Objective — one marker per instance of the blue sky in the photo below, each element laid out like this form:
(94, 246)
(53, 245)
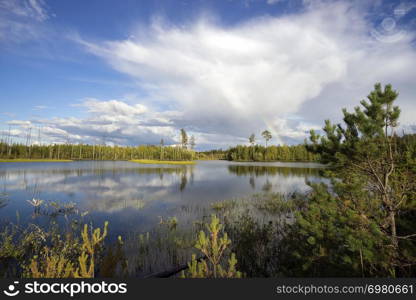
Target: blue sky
(133, 72)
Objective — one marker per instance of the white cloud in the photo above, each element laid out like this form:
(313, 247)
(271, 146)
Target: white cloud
(34, 9)
(271, 2)
(111, 122)
(19, 123)
(20, 20)
(38, 10)
(285, 73)
(40, 107)
(113, 107)
(242, 79)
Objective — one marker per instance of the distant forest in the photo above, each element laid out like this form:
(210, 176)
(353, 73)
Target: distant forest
(94, 152)
(184, 151)
(271, 153)
(104, 152)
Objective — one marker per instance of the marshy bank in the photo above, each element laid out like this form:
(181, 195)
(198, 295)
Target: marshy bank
(69, 245)
(157, 210)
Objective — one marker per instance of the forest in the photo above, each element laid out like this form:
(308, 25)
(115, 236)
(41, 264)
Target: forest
(94, 152)
(270, 153)
(154, 152)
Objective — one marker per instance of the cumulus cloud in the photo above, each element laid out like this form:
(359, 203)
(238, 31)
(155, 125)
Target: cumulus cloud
(222, 83)
(110, 122)
(283, 73)
(113, 107)
(21, 123)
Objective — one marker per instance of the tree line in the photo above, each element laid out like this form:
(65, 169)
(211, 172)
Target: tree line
(185, 151)
(256, 152)
(270, 153)
(93, 152)
(364, 223)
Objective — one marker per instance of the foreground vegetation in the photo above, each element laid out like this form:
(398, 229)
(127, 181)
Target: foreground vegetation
(80, 251)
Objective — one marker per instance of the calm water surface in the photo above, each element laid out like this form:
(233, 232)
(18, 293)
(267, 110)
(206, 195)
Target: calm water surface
(133, 197)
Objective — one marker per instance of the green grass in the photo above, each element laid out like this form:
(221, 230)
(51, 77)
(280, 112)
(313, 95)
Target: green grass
(34, 160)
(167, 162)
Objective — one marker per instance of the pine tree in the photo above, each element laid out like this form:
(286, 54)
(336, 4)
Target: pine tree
(184, 139)
(252, 139)
(370, 182)
(267, 136)
(192, 142)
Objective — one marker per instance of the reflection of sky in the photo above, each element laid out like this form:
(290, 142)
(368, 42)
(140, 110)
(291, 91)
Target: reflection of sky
(130, 195)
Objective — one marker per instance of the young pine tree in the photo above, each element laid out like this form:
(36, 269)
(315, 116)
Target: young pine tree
(214, 248)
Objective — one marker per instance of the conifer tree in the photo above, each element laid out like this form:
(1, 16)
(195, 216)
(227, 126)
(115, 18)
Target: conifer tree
(192, 142)
(252, 139)
(184, 138)
(267, 136)
(371, 185)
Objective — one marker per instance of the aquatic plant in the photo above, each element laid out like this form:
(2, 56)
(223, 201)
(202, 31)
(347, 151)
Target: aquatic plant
(115, 261)
(4, 199)
(35, 202)
(171, 222)
(54, 266)
(69, 258)
(164, 247)
(222, 206)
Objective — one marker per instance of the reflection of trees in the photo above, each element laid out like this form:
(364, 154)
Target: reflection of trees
(243, 170)
(184, 181)
(267, 187)
(45, 174)
(4, 199)
(184, 178)
(105, 189)
(252, 182)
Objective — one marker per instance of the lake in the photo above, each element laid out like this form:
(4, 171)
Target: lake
(135, 197)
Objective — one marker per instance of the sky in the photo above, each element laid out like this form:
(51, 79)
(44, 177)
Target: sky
(135, 72)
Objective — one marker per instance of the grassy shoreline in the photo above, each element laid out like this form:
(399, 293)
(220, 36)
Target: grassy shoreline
(34, 160)
(165, 162)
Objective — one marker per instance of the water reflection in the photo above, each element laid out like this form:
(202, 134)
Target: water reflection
(4, 199)
(256, 170)
(291, 175)
(134, 196)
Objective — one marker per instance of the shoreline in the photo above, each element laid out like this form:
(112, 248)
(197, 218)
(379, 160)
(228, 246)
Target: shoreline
(163, 162)
(34, 160)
